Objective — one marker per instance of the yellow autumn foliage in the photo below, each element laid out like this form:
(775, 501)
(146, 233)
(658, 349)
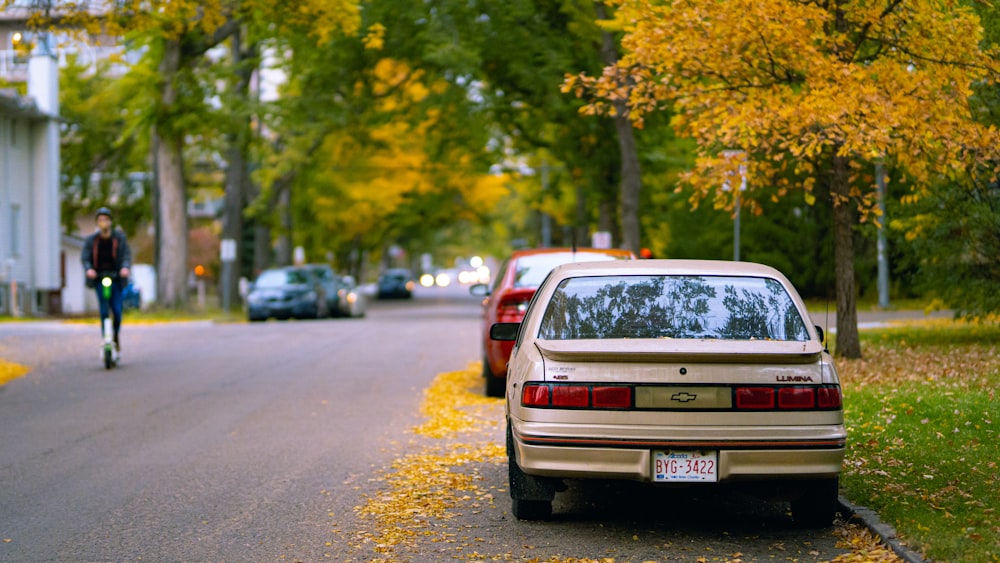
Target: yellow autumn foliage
(9, 371)
(368, 181)
(319, 19)
(778, 78)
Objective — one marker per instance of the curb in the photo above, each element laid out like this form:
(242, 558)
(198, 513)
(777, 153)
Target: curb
(884, 531)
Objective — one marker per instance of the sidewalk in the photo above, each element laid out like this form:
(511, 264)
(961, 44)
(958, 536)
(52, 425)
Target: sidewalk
(876, 319)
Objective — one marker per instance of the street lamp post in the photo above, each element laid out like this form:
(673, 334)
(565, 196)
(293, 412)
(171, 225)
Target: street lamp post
(736, 200)
(883, 260)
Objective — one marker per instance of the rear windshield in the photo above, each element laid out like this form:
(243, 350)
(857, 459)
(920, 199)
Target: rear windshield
(701, 307)
(531, 269)
(278, 278)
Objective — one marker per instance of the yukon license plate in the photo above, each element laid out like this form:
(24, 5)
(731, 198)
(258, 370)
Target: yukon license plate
(685, 466)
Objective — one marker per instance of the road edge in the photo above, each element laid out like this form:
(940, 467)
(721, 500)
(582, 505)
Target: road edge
(875, 525)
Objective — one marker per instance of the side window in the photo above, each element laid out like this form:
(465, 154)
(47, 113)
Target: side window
(500, 275)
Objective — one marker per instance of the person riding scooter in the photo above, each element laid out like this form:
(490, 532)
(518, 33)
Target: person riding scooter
(106, 253)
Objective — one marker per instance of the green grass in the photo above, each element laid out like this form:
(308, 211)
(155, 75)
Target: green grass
(923, 420)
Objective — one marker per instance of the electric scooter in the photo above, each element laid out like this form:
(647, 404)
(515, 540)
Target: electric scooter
(108, 352)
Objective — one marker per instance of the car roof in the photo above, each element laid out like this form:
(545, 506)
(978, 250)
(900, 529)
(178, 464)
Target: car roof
(665, 266)
(531, 251)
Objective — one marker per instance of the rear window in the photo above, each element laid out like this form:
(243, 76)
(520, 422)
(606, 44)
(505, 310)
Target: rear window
(278, 278)
(698, 307)
(531, 269)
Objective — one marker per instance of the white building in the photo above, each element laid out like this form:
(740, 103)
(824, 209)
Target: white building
(31, 272)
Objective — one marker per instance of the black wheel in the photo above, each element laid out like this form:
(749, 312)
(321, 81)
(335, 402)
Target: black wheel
(531, 509)
(816, 507)
(530, 496)
(495, 386)
(108, 359)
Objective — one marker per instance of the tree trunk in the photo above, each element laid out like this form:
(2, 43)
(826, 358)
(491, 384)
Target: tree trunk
(236, 173)
(848, 342)
(284, 245)
(582, 222)
(172, 270)
(631, 185)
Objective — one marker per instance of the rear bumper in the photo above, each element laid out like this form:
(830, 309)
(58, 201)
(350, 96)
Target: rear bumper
(746, 460)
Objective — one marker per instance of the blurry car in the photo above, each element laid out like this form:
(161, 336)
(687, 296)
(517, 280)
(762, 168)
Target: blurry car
(283, 293)
(351, 301)
(513, 287)
(674, 372)
(396, 283)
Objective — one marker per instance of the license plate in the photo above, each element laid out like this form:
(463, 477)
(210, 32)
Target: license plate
(686, 466)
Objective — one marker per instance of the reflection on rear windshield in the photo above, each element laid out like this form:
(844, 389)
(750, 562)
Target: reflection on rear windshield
(718, 307)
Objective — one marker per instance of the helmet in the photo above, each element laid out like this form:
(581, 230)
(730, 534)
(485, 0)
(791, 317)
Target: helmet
(103, 211)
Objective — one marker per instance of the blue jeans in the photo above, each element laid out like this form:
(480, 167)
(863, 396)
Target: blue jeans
(115, 305)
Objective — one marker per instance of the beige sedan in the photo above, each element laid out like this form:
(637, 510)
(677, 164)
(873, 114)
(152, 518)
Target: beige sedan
(675, 372)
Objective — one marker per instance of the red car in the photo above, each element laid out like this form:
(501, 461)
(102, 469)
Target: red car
(513, 287)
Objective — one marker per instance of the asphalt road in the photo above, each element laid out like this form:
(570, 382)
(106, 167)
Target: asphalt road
(255, 442)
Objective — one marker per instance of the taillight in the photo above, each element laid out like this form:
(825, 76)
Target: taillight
(612, 397)
(535, 395)
(829, 398)
(571, 396)
(796, 398)
(576, 396)
(511, 311)
(755, 398)
(788, 398)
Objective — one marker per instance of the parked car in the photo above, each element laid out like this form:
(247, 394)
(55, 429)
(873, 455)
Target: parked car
(513, 287)
(351, 301)
(282, 293)
(695, 373)
(396, 283)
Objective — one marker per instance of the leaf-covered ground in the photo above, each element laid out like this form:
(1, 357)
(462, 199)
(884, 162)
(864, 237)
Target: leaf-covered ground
(923, 449)
(421, 492)
(9, 371)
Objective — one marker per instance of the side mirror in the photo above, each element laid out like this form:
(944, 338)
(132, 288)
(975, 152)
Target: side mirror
(819, 331)
(479, 289)
(504, 331)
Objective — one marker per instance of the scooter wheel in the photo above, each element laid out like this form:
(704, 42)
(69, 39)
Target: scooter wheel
(108, 360)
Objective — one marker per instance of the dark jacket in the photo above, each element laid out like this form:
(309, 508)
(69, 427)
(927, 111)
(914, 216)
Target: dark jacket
(119, 250)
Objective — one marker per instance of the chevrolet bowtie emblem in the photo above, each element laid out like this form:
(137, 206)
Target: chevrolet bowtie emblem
(683, 397)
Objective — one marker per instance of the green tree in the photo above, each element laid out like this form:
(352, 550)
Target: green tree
(101, 159)
(808, 93)
(176, 37)
(369, 149)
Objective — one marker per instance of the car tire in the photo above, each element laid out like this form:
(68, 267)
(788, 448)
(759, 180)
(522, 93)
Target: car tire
(530, 496)
(495, 386)
(816, 506)
(531, 509)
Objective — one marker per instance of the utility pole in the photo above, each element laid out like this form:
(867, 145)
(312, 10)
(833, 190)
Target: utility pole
(883, 260)
(546, 219)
